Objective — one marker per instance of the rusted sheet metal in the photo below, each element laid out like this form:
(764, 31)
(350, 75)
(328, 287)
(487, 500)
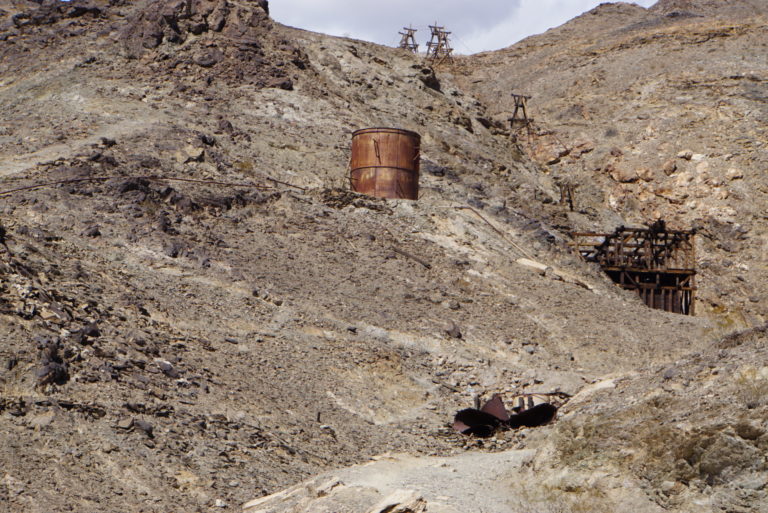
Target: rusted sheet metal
(385, 163)
(494, 415)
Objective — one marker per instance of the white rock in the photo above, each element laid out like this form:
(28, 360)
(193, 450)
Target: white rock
(401, 501)
(684, 179)
(646, 174)
(685, 154)
(532, 264)
(716, 182)
(667, 486)
(734, 174)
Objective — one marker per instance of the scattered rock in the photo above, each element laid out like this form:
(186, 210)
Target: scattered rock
(702, 167)
(685, 155)
(190, 154)
(53, 369)
(168, 369)
(621, 174)
(175, 249)
(669, 167)
(145, 427)
(209, 58)
(754, 482)
(454, 331)
(124, 424)
(684, 178)
(452, 305)
(646, 174)
(285, 84)
(749, 430)
(92, 232)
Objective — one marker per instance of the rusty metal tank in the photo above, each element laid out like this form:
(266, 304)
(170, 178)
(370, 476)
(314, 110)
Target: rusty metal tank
(385, 163)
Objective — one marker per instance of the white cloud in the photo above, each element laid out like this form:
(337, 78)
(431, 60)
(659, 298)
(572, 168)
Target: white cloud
(530, 17)
(476, 26)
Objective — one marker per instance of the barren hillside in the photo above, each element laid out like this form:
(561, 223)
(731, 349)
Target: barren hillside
(195, 312)
(662, 114)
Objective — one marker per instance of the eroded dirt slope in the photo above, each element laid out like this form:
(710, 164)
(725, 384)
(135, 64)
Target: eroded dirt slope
(188, 346)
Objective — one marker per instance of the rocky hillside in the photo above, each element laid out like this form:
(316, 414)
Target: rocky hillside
(657, 113)
(195, 312)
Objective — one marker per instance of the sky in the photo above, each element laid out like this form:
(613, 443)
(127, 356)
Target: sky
(476, 25)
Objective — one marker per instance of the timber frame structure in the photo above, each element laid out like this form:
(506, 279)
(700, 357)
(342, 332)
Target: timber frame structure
(658, 264)
(408, 40)
(439, 46)
(520, 115)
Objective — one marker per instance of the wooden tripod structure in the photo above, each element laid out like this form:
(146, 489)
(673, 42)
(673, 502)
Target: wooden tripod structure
(520, 115)
(439, 46)
(408, 40)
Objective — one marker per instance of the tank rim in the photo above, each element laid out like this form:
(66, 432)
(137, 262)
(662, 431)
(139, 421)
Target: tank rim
(386, 129)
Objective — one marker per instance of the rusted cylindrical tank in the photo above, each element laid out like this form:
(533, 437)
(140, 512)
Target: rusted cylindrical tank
(385, 163)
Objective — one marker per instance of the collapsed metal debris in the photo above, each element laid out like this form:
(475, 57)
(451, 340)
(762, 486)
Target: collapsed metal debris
(531, 410)
(658, 263)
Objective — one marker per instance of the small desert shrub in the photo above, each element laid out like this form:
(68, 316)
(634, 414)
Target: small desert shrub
(752, 386)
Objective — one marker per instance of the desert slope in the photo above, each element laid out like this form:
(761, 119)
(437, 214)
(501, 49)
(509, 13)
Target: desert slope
(663, 112)
(177, 345)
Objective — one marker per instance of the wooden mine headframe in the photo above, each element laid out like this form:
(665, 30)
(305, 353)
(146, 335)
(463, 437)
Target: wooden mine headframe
(408, 40)
(520, 115)
(658, 264)
(439, 47)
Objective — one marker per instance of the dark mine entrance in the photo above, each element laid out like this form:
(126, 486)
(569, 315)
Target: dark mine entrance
(658, 264)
